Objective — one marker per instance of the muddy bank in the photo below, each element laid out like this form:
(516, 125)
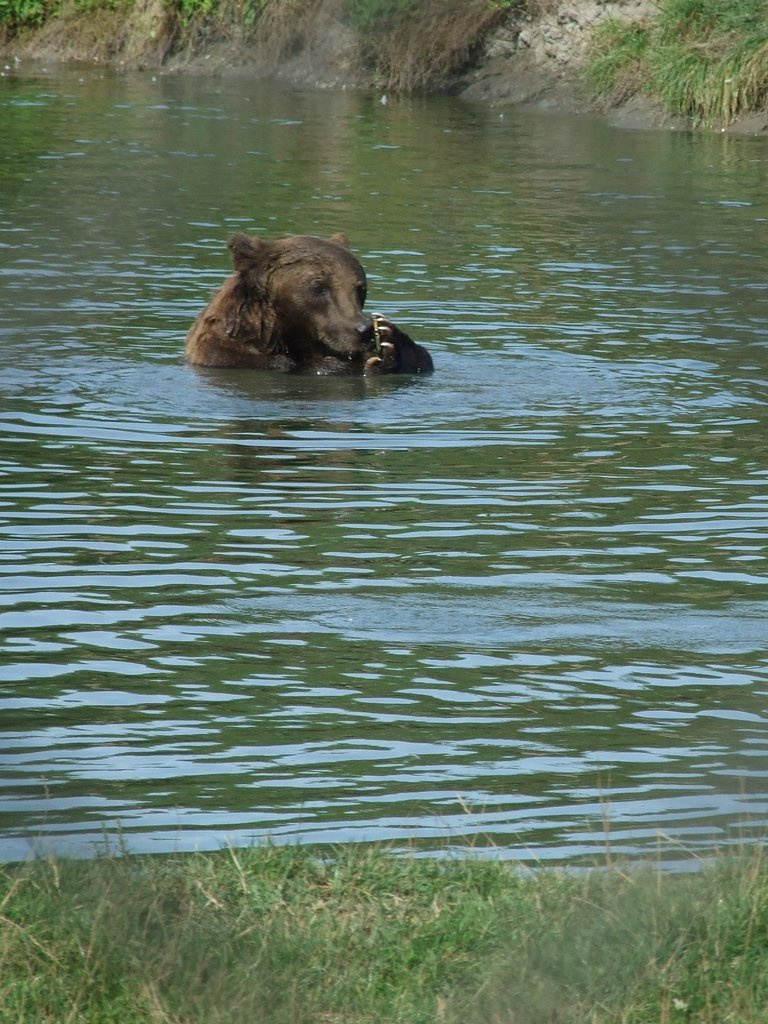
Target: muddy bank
(476, 51)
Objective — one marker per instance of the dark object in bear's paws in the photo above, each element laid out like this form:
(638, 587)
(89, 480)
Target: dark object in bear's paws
(393, 350)
(295, 305)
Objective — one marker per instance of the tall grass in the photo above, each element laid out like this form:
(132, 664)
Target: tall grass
(425, 43)
(359, 936)
(703, 59)
(400, 45)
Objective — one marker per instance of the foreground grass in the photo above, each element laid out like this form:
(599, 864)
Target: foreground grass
(270, 935)
(704, 59)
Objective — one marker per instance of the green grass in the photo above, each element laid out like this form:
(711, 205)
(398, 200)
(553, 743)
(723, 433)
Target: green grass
(278, 935)
(15, 14)
(23, 12)
(615, 70)
(369, 14)
(703, 59)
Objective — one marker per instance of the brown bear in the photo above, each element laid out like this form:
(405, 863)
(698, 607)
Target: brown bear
(295, 304)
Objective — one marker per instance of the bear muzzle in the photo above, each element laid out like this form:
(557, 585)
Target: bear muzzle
(349, 344)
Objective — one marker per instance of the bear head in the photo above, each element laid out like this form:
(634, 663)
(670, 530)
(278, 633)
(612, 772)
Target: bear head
(305, 296)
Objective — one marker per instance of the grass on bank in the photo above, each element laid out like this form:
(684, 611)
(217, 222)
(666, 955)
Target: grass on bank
(357, 936)
(363, 15)
(703, 59)
(397, 45)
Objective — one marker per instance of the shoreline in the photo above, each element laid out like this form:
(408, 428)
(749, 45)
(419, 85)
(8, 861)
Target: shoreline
(531, 61)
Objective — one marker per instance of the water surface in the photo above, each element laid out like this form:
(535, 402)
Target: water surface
(519, 606)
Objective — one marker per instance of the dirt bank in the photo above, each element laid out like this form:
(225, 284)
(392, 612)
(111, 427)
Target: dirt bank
(538, 59)
(465, 47)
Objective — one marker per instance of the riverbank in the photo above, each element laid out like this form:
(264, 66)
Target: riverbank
(533, 54)
(357, 935)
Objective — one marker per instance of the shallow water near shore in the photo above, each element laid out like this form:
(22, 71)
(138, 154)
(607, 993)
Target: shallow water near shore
(518, 606)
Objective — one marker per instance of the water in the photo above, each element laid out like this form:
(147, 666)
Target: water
(519, 606)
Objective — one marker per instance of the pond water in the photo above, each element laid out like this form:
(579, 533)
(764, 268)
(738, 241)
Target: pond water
(518, 606)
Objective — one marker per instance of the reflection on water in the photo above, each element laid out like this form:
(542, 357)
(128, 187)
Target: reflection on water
(519, 605)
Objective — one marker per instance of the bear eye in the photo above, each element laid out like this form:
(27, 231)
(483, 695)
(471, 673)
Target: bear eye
(361, 293)
(321, 287)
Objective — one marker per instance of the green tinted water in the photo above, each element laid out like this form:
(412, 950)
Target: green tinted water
(518, 605)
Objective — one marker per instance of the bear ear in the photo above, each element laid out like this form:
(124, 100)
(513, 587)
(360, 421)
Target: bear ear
(246, 251)
(340, 239)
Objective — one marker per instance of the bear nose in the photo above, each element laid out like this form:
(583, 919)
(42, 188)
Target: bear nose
(365, 333)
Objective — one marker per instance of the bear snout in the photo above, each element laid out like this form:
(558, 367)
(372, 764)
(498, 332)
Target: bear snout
(365, 334)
